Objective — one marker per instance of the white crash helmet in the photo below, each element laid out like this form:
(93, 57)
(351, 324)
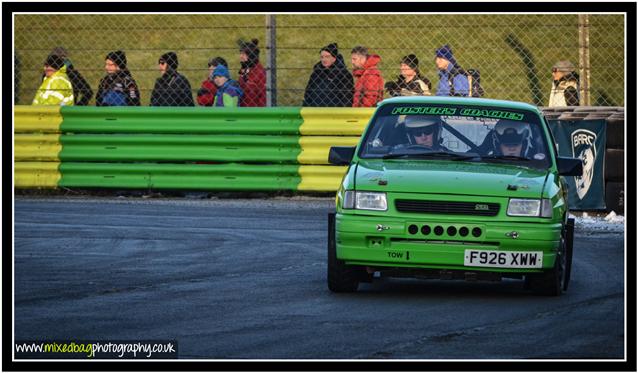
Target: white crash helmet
(509, 132)
(418, 124)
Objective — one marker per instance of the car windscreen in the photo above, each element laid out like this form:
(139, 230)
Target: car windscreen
(463, 133)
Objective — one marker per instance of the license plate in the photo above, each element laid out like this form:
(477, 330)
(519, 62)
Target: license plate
(503, 259)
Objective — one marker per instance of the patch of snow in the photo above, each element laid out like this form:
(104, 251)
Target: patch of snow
(612, 223)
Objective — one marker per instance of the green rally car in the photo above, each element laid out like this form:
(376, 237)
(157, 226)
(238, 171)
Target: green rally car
(453, 188)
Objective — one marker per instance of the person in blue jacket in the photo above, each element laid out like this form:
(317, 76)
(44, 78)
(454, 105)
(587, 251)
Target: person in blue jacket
(452, 78)
(228, 91)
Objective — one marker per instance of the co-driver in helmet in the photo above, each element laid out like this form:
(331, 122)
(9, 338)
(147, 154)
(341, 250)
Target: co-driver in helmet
(510, 138)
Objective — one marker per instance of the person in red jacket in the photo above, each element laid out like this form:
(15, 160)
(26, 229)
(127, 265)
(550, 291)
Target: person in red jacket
(252, 75)
(368, 87)
(206, 94)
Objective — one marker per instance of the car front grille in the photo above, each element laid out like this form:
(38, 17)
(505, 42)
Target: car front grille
(447, 207)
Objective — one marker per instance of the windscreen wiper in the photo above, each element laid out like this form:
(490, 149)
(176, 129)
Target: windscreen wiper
(506, 157)
(433, 154)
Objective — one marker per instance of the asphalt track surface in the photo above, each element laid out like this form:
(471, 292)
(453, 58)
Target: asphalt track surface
(246, 279)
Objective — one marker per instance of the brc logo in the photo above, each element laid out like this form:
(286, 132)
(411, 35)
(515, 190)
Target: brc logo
(583, 147)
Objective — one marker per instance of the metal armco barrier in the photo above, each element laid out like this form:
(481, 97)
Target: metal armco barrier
(182, 148)
(280, 148)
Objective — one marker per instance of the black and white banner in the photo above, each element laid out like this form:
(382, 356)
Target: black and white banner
(584, 139)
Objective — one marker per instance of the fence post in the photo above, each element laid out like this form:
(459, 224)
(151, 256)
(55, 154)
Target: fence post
(271, 44)
(583, 58)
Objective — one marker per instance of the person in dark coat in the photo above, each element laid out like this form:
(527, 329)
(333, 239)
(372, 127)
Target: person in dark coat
(117, 88)
(82, 92)
(330, 83)
(172, 88)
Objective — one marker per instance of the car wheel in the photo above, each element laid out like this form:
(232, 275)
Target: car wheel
(552, 282)
(569, 251)
(342, 278)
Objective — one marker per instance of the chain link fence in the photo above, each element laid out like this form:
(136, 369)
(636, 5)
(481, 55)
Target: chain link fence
(514, 53)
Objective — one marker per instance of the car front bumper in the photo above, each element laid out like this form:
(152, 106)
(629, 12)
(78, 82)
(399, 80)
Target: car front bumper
(391, 242)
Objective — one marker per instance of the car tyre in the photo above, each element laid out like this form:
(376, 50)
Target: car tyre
(569, 251)
(552, 282)
(342, 278)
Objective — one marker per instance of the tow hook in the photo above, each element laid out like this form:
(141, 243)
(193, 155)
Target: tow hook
(512, 234)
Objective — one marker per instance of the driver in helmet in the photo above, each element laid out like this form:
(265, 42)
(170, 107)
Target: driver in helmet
(511, 138)
(424, 130)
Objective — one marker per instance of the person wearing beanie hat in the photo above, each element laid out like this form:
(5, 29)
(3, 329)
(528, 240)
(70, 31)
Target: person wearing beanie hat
(170, 59)
(171, 88)
(221, 71)
(229, 92)
(368, 86)
(82, 92)
(452, 78)
(56, 88)
(117, 88)
(410, 82)
(118, 58)
(54, 62)
(565, 85)
(208, 90)
(330, 83)
(252, 75)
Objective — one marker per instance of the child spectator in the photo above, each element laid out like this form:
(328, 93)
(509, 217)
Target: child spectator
(206, 94)
(228, 91)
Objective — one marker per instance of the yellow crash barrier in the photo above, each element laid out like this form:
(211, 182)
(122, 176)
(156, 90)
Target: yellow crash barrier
(315, 149)
(36, 147)
(334, 121)
(45, 119)
(37, 174)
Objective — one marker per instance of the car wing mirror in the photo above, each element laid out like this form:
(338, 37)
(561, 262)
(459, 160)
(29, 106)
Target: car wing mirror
(568, 166)
(341, 155)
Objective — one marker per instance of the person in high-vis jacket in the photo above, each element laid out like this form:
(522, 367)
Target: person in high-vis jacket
(56, 88)
(564, 86)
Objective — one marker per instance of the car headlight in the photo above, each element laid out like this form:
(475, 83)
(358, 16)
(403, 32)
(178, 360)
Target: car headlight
(371, 201)
(365, 201)
(530, 207)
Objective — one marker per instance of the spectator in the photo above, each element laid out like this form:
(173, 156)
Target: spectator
(228, 91)
(252, 75)
(117, 88)
(172, 88)
(368, 87)
(565, 86)
(330, 83)
(56, 88)
(206, 94)
(452, 78)
(82, 91)
(410, 82)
